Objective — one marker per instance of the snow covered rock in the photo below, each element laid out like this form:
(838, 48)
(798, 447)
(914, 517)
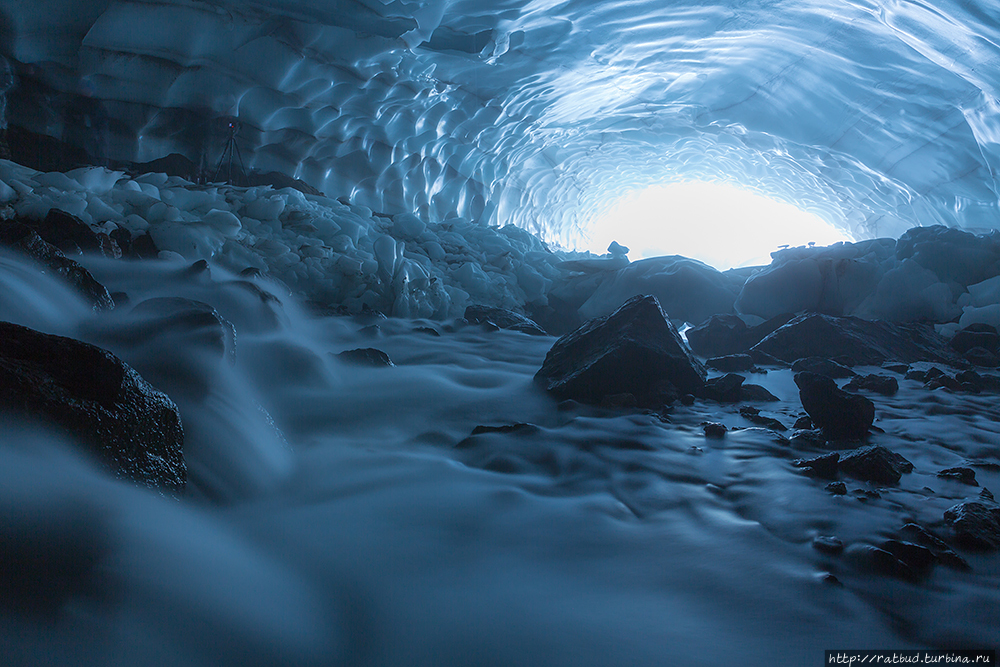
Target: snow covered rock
(120, 418)
(841, 415)
(635, 350)
(865, 342)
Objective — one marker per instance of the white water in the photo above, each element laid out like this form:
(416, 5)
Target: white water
(359, 534)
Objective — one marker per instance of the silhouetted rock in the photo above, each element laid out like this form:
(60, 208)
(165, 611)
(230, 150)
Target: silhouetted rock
(822, 366)
(838, 413)
(503, 319)
(634, 350)
(976, 524)
(731, 363)
(22, 239)
(828, 545)
(960, 474)
(875, 464)
(824, 466)
(869, 559)
(753, 415)
(837, 488)
(944, 554)
(366, 356)
(722, 335)
(71, 234)
(880, 384)
(724, 389)
(967, 339)
(714, 430)
(98, 399)
(866, 342)
(756, 393)
(982, 357)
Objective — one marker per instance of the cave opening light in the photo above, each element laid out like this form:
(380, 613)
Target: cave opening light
(721, 225)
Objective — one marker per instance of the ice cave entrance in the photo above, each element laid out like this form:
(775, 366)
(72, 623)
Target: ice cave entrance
(721, 225)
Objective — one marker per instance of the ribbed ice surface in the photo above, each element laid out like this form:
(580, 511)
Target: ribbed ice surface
(877, 115)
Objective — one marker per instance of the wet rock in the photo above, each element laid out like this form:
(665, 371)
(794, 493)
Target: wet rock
(430, 331)
(24, 240)
(841, 415)
(71, 234)
(837, 488)
(896, 367)
(982, 357)
(872, 560)
(963, 475)
(503, 319)
(714, 430)
(944, 554)
(804, 423)
(967, 339)
(865, 342)
(754, 392)
(520, 427)
(917, 558)
(724, 389)
(828, 545)
(99, 400)
(880, 384)
(722, 335)
(366, 356)
(634, 350)
(143, 247)
(875, 463)
(976, 524)
(824, 466)
(822, 366)
(731, 363)
(753, 415)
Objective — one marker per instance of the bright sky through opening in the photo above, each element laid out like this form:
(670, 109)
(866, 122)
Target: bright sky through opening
(718, 224)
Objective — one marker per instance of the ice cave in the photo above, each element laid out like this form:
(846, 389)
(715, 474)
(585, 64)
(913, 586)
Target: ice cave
(524, 332)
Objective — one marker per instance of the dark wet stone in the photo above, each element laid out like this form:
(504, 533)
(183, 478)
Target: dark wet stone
(724, 389)
(804, 423)
(686, 399)
(715, 430)
(809, 439)
(731, 363)
(966, 340)
(371, 331)
(963, 475)
(976, 525)
(98, 399)
(503, 319)
(865, 342)
(875, 463)
(625, 400)
(430, 331)
(754, 392)
(945, 555)
(982, 357)
(366, 356)
(838, 413)
(828, 545)
(753, 415)
(722, 335)
(837, 488)
(24, 240)
(822, 366)
(945, 381)
(917, 558)
(918, 376)
(880, 384)
(896, 368)
(71, 234)
(824, 466)
(634, 350)
(869, 559)
(143, 247)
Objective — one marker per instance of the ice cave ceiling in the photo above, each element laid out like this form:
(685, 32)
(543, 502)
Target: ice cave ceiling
(877, 114)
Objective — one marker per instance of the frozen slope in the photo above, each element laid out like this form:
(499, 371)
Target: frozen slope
(876, 114)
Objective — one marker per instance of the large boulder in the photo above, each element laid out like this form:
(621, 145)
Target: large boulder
(865, 342)
(722, 335)
(635, 350)
(841, 415)
(98, 399)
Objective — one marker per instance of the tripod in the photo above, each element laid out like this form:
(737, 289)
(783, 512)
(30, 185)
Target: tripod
(229, 149)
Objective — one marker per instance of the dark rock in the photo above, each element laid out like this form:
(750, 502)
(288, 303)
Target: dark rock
(945, 381)
(634, 350)
(880, 384)
(754, 392)
(869, 559)
(722, 335)
(864, 495)
(822, 366)
(824, 466)
(366, 356)
(715, 430)
(731, 363)
(965, 340)
(763, 359)
(981, 382)
(804, 423)
(70, 233)
(875, 464)
(24, 240)
(102, 402)
(976, 525)
(919, 376)
(503, 319)
(896, 368)
(917, 558)
(838, 413)
(980, 356)
(944, 554)
(981, 327)
(828, 545)
(753, 415)
(430, 331)
(143, 247)
(724, 389)
(963, 475)
(837, 488)
(865, 342)
(520, 427)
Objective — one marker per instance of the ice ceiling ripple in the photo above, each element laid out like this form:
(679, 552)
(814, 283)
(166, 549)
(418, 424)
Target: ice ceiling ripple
(876, 114)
